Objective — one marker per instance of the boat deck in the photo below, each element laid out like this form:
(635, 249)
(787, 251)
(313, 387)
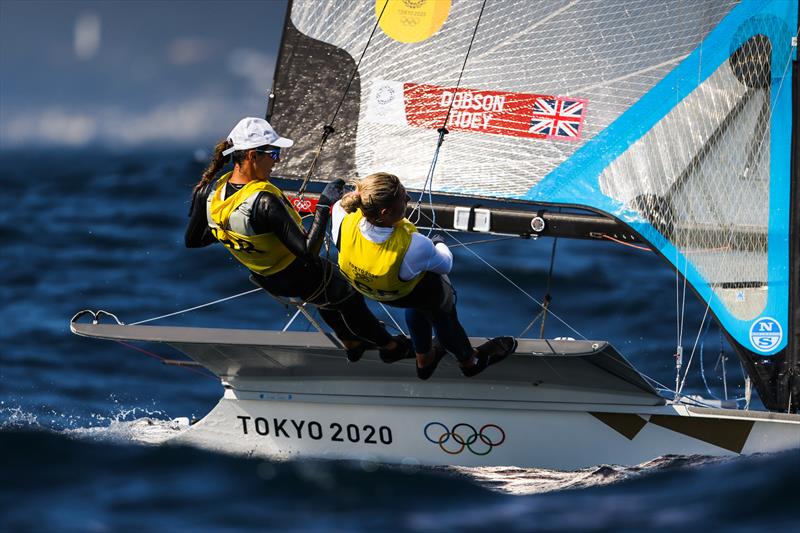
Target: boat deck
(309, 363)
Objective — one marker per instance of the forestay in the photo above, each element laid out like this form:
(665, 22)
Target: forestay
(674, 117)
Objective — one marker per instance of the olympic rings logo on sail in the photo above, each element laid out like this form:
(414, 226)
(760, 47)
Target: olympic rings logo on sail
(465, 436)
(301, 205)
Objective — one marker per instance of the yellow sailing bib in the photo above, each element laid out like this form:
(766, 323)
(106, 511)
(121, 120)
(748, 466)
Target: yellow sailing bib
(229, 220)
(374, 268)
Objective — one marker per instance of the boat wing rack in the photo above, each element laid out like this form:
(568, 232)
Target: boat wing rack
(548, 370)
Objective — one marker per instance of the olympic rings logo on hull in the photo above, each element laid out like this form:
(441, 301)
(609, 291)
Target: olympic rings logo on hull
(465, 436)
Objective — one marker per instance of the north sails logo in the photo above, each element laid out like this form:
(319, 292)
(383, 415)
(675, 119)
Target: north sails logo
(766, 334)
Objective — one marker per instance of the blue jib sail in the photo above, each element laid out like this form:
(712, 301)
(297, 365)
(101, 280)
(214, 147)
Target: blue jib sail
(700, 167)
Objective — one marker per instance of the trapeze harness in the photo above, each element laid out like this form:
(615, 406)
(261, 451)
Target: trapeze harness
(229, 221)
(374, 268)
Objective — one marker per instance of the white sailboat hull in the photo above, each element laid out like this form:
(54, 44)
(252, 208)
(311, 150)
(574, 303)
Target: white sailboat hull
(561, 437)
(553, 404)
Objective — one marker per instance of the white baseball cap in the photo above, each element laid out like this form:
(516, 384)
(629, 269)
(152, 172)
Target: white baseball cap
(252, 132)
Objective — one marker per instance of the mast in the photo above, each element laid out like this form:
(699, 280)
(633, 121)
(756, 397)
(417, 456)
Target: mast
(789, 388)
(281, 48)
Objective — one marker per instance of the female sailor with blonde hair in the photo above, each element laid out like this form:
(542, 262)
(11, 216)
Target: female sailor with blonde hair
(255, 222)
(386, 259)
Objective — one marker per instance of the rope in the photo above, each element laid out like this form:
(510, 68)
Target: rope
(547, 297)
(464, 65)
(428, 185)
(196, 307)
(484, 241)
(396, 325)
(530, 324)
(289, 323)
(328, 128)
(163, 359)
(509, 280)
(694, 347)
(504, 277)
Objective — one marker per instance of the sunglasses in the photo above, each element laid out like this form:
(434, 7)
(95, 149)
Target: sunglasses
(274, 152)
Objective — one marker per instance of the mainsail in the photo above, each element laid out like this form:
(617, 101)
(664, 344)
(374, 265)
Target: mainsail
(673, 117)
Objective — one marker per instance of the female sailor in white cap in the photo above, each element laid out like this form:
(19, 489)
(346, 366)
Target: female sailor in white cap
(256, 223)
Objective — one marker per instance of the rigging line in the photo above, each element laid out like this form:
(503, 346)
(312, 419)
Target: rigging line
(428, 185)
(464, 66)
(509, 280)
(443, 130)
(162, 359)
(677, 301)
(358, 64)
(196, 307)
(392, 318)
(661, 385)
(702, 370)
(683, 297)
(702, 365)
(530, 324)
(328, 129)
(547, 297)
(291, 320)
(696, 340)
(484, 241)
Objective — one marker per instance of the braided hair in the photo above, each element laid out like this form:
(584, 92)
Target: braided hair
(219, 161)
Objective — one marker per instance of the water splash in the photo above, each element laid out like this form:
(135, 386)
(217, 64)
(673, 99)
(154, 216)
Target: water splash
(145, 430)
(522, 481)
(16, 418)
(135, 425)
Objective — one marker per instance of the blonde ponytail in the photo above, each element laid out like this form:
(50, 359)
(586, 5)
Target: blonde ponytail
(373, 193)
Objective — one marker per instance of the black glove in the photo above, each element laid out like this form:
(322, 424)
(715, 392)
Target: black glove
(436, 239)
(332, 193)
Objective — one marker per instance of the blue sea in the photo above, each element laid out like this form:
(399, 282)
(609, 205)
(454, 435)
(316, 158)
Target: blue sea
(83, 422)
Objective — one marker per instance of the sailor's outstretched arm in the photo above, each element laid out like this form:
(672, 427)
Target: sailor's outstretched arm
(271, 214)
(198, 233)
(330, 195)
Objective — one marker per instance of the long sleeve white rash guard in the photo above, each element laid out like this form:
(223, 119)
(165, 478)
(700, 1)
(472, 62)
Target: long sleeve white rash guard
(422, 254)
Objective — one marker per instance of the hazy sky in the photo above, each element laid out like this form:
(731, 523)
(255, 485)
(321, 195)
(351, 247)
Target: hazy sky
(133, 73)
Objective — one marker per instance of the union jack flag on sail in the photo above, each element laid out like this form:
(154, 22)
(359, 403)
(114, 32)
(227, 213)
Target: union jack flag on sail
(558, 118)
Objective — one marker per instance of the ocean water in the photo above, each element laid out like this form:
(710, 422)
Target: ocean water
(83, 423)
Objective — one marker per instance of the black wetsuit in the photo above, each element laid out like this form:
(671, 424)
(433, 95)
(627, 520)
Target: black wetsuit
(308, 277)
